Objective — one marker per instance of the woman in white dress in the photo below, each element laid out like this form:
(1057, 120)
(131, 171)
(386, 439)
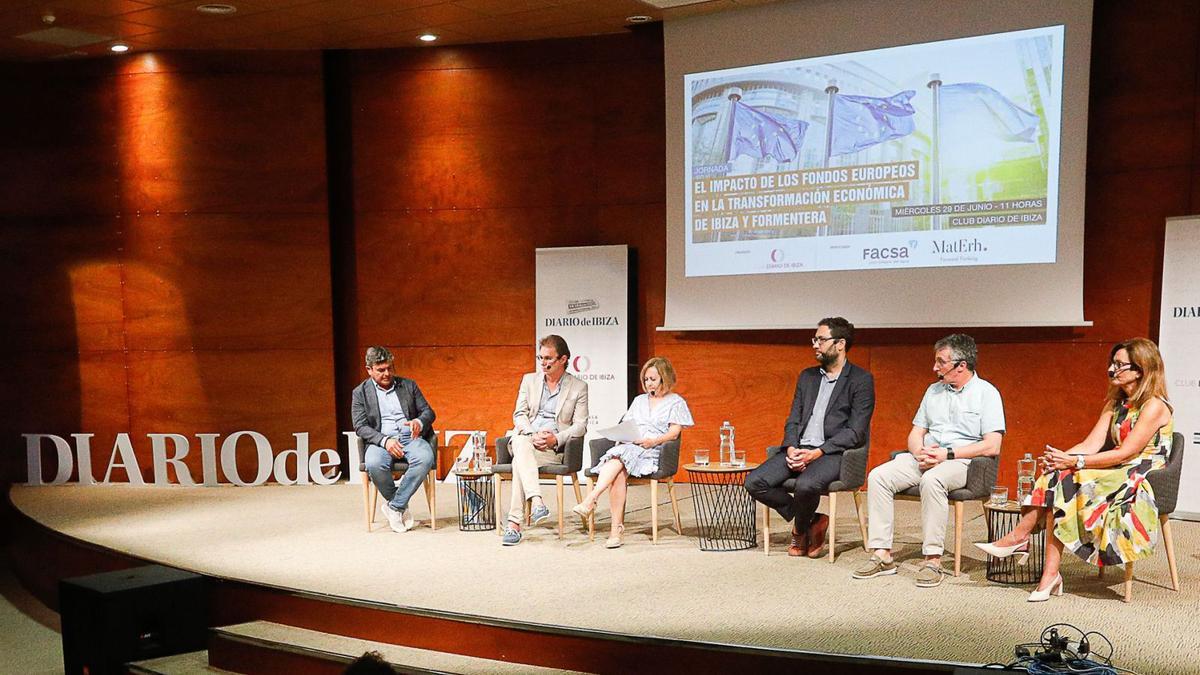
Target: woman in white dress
(660, 415)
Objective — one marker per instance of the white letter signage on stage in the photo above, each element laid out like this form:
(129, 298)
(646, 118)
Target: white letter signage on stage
(583, 295)
(1178, 336)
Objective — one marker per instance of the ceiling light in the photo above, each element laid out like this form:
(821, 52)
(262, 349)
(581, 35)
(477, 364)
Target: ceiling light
(427, 37)
(216, 8)
(639, 18)
(118, 48)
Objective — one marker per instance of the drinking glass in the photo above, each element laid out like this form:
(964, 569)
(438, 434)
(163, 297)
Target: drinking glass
(999, 496)
(737, 457)
(702, 456)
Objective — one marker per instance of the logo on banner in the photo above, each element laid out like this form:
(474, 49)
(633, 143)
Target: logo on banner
(777, 255)
(586, 305)
(582, 364)
(1185, 312)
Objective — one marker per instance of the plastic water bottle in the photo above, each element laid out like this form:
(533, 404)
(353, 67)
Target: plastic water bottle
(726, 443)
(1026, 467)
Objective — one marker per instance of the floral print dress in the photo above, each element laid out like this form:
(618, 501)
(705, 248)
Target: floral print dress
(1108, 516)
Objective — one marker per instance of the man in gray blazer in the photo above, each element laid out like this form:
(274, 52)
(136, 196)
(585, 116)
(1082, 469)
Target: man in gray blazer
(393, 418)
(831, 413)
(552, 408)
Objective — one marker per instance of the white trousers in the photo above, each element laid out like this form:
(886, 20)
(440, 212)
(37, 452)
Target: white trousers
(900, 474)
(525, 462)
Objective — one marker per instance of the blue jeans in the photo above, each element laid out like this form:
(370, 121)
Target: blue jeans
(379, 467)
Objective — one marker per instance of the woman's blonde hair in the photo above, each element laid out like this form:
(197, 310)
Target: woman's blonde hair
(665, 370)
(1145, 358)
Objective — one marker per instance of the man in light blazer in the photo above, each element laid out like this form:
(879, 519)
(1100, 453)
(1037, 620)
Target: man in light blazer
(393, 418)
(552, 408)
(831, 413)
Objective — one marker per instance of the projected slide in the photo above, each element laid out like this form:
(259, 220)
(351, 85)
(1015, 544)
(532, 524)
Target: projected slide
(931, 155)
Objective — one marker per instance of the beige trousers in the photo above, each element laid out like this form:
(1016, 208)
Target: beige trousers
(525, 462)
(900, 474)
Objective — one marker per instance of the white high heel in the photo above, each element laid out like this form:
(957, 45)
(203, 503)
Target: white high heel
(1006, 551)
(1055, 587)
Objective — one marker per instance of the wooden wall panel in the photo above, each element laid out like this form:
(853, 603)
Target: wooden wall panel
(63, 283)
(170, 273)
(227, 281)
(55, 158)
(455, 276)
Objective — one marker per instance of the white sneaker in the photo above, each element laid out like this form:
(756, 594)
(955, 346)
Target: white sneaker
(396, 519)
(406, 517)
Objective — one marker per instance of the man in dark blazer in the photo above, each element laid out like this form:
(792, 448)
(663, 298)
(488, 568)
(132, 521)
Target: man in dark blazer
(831, 413)
(393, 418)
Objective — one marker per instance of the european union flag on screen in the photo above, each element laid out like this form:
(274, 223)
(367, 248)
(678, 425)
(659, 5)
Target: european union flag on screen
(974, 108)
(862, 121)
(763, 134)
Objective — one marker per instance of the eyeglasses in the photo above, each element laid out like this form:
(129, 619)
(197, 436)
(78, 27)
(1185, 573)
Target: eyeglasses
(1116, 367)
(548, 359)
(817, 341)
(942, 363)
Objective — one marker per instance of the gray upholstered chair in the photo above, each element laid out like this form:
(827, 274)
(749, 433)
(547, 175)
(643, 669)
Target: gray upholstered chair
(853, 475)
(668, 466)
(399, 466)
(1165, 483)
(981, 476)
(502, 471)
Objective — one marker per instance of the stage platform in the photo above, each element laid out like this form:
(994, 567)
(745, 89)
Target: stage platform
(309, 545)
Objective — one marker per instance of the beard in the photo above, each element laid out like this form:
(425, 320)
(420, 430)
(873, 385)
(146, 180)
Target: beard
(826, 359)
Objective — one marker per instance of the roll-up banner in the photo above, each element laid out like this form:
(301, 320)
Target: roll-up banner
(583, 295)
(1178, 339)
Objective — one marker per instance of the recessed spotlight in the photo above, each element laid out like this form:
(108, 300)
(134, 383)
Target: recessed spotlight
(427, 37)
(216, 8)
(118, 48)
(639, 18)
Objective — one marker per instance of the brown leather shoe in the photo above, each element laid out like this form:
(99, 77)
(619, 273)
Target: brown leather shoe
(799, 545)
(816, 535)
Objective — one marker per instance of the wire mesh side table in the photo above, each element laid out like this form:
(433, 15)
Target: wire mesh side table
(476, 501)
(726, 513)
(1001, 519)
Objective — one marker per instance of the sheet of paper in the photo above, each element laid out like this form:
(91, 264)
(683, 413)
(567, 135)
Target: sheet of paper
(625, 432)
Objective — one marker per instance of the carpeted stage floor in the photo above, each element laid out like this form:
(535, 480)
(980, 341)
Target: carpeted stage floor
(314, 538)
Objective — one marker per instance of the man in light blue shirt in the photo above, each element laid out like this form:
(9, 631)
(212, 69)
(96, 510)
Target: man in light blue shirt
(960, 417)
(392, 417)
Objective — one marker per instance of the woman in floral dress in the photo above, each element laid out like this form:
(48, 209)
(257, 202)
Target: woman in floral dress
(1094, 496)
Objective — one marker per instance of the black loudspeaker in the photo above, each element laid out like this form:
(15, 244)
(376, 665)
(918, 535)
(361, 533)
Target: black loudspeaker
(113, 618)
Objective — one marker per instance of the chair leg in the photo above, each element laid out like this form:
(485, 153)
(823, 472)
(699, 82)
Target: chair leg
(497, 487)
(674, 505)
(958, 523)
(832, 524)
(766, 529)
(653, 511)
(1170, 546)
(591, 520)
(369, 501)
(862, 516)
(1128, 581)
(431, 497)
(559, 493)
(575, 484)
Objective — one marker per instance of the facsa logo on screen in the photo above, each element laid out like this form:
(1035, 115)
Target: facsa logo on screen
(886, 253)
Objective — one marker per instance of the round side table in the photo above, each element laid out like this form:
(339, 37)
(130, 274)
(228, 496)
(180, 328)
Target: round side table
(725, 512)
(476, 501)
(1001, 519)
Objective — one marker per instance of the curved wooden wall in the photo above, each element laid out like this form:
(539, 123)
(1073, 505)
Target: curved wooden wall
(170, 271)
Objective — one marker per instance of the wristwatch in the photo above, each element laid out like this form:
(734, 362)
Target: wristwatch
(949, 453)
(1079, 461)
